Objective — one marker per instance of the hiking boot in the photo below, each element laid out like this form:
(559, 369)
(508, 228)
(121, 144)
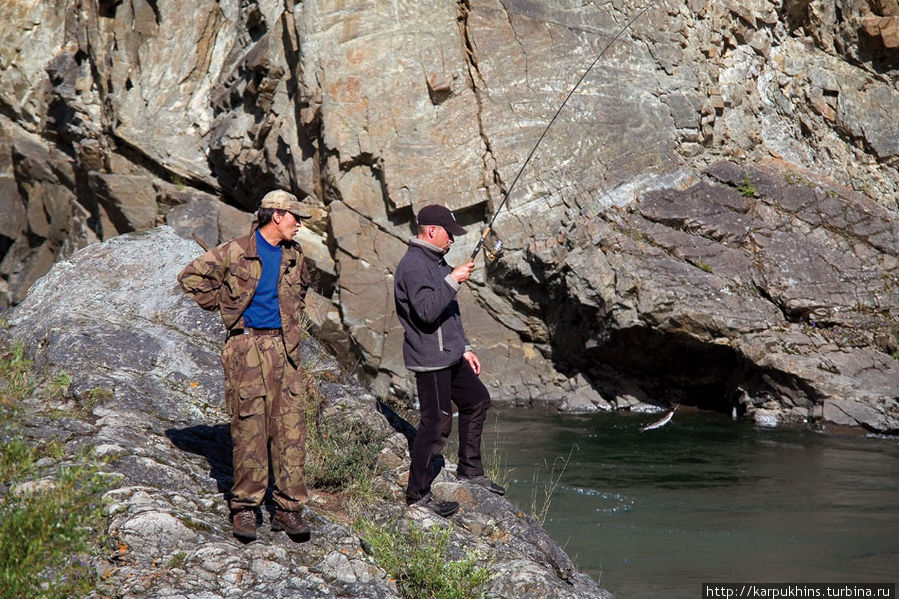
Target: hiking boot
(441, 508)
(483, 481)
(290, 522)
(244, 525)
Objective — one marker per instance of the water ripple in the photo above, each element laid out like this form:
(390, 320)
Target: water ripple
(610, 503)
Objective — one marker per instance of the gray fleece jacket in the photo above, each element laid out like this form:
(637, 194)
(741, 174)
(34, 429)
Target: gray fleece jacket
(425, 296)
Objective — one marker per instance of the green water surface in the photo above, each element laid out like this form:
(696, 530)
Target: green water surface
(704, 499)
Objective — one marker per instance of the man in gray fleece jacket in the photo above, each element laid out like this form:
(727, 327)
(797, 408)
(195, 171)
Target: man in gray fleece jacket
(436, 349)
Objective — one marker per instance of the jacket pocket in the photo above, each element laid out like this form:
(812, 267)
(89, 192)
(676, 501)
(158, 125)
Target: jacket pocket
(240, 281)
(294, 273)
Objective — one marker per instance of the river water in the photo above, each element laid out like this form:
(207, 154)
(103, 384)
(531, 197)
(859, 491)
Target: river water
(703, 499)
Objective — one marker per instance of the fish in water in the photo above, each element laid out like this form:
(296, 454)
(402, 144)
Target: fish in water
(663, 421)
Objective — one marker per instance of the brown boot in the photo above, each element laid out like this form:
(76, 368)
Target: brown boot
(244, 525)
(290, 522)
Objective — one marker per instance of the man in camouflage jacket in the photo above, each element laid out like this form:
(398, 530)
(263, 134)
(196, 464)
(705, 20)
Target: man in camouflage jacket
(258, 285)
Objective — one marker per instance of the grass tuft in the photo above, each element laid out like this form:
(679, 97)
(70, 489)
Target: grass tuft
(746, 188)
(340, 455)
(15, 370)
(540, 507)
(417, 561)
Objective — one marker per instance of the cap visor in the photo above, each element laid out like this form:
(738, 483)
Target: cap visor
(298, 215)
(454, 229)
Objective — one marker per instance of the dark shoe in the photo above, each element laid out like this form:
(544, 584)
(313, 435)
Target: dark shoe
(290, 522)
(483, 481)
(244, 525)
(441, 508)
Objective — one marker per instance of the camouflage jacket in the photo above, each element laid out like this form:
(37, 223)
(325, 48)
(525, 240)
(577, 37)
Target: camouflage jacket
(225, 279)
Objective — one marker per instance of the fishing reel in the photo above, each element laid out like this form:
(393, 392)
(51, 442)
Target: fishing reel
(493, 253)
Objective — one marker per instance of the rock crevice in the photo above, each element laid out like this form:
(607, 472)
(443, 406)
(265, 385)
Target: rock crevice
(123, 116)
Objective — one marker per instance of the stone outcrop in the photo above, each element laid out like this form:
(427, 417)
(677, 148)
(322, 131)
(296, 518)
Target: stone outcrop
(116, 117)
(742, 293)
(146, 395)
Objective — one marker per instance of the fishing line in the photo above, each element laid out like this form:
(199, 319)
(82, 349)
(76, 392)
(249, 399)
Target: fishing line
(550, 124)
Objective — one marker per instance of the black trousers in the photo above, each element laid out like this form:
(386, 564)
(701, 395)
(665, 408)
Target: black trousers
(437, 391)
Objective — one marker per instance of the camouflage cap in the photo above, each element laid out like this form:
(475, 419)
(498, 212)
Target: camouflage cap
(283, 200)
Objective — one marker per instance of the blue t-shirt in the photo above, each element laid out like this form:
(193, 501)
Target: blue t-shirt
(263, 313)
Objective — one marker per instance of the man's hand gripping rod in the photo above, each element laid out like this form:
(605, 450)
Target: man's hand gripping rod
(486, 233)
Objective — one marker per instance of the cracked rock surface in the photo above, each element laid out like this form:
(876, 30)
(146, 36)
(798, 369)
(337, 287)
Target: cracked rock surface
(146, 395)
(747, 292)
(120, 116)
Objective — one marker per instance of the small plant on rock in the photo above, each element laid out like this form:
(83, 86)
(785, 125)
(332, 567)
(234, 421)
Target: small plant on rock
(59, 385)
(703, 265)
(746, 188)
(16, 372)
(95, 397)
(342, 455)
(417, 560)
(177, 560)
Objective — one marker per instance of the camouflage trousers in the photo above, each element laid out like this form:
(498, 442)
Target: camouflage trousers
(266, 397)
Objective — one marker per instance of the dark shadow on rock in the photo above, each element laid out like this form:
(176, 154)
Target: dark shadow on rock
(403, 426)
(301, 538)
(211, 442)
(397, 422)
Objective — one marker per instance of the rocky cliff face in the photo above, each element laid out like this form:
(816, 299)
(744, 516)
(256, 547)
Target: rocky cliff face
(117, 324)
(633, 272)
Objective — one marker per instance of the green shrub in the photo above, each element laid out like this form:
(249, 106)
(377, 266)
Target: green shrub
(341, 454)
(342, 458)
(16, 461)
(44, 533)
(417, 561)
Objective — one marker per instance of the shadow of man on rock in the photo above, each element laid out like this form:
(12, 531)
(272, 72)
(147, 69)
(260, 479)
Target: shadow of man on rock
(214, 444)
(408, 430)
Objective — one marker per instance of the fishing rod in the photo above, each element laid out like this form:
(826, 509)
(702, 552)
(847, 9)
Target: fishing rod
(498, 247)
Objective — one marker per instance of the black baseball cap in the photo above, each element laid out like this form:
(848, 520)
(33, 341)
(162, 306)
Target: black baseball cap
(435, 214)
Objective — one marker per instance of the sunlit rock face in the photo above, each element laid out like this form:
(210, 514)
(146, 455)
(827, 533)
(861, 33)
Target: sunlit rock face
(637, 265)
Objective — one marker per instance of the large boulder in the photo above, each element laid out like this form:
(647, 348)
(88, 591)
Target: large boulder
(145, 394)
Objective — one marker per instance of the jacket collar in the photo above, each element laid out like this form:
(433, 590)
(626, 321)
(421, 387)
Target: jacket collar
(430, 247)
(251, 249)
